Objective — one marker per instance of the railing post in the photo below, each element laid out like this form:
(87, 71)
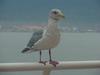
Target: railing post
(46, 71)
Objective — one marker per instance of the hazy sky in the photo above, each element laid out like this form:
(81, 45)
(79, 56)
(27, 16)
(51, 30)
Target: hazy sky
(77, 12)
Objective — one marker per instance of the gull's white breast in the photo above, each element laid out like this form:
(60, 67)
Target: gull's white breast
(50, 38)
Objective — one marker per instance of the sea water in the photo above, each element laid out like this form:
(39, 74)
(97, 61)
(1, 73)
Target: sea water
(72, 47)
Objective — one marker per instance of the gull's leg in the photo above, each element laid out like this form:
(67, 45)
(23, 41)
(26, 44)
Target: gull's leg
(40, 55)
(40, 61)
(54, 63)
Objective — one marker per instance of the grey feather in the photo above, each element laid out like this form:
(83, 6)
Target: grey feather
(37, 35)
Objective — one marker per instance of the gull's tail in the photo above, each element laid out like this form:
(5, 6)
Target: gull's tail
(25, 50)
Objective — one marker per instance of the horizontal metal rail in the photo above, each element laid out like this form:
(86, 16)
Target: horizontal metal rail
(11, 67)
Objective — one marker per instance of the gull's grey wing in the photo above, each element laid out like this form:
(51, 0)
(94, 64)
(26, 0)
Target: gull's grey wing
(37, 35)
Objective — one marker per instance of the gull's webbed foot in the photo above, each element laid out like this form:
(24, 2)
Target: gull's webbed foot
(43, 62)
(54, 63)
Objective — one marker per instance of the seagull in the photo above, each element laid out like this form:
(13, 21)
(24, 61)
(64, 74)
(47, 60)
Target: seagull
(47, 38)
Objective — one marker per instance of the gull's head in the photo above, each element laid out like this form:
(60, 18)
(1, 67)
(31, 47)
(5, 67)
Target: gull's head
(56, 14)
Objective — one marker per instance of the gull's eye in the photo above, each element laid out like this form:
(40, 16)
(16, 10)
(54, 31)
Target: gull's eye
(55, 12)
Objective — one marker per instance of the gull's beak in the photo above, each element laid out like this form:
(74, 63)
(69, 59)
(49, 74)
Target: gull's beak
(62, 15)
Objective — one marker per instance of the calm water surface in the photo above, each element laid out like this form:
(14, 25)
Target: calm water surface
(73, 46)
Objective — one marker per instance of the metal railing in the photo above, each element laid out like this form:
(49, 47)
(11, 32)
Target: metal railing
(11, 67)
